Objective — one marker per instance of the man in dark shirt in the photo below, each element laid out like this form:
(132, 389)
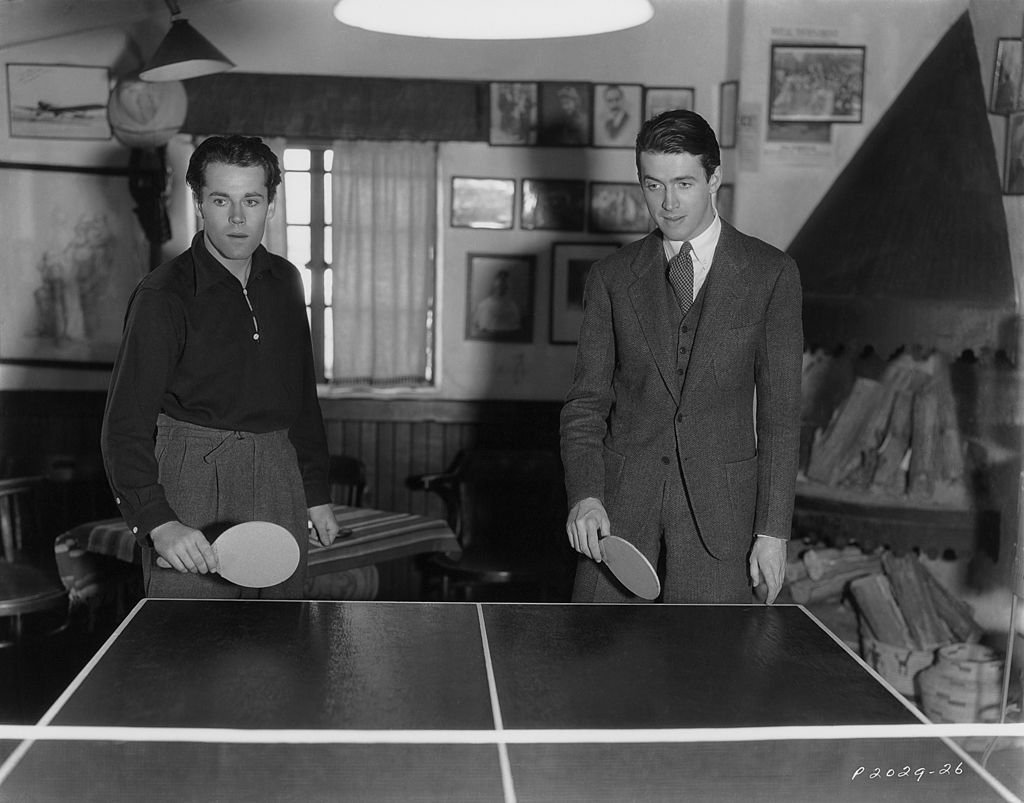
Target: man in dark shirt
(216, 362)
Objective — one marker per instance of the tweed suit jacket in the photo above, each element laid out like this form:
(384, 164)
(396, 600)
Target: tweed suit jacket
(629, 419)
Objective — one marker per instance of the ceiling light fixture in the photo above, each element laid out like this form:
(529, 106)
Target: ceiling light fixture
(501, 19)
(184, 53)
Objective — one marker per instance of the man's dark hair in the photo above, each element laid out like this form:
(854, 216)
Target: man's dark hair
(679, 131)
(233, 150)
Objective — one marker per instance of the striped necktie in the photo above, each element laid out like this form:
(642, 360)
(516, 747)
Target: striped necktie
(680, 276)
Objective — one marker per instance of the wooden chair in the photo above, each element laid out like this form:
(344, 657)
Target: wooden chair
(508, 510)
(19, 517)
(347, 479)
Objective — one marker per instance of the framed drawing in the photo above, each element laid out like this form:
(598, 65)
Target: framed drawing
(618, 207)
(1014, 181)
(513, 118)
(816, 83)
(617, 114)
(58, 101)
(570, 265)
(499, 297)
(658, 99)
(724, 201)
(483, 203)
(1007, 76)
(553, 204)
(728, 95)
(74, 253)
(565, 112)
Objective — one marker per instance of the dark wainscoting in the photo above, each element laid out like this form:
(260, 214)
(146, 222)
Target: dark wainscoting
(56, 434)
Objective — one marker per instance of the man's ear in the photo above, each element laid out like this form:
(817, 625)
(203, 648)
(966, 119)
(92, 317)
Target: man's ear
(716, 180)
(271, 208)
(197, 204)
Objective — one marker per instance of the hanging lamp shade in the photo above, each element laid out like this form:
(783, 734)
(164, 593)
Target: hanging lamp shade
(184, 53)
(509, 19)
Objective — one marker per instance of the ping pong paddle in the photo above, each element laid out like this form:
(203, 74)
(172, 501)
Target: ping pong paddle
(254, 554)
(630, 566)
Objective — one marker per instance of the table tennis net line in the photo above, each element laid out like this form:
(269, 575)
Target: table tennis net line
(506, 768)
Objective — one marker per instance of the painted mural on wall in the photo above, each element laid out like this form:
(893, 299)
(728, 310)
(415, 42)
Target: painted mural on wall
(76, 252)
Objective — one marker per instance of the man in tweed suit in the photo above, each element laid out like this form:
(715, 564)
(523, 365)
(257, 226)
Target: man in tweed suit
(680, 432)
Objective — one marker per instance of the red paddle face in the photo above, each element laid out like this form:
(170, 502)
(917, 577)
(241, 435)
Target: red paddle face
(629, 565)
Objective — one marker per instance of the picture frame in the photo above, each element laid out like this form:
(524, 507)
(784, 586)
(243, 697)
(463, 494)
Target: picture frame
(618, 110)
(1007, 76)
(555, 204)
(816, 83)
(513, 113)
(724, 201)
(482, 203)
(658, 99)
(566, 108)
(570, 265)
(618, 208)
(499, 297)
(1013, 170)
(74, 253)
(58, 101)
(728, 98)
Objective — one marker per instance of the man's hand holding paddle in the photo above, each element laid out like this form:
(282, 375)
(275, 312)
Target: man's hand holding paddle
(184, 548)
(588, 521)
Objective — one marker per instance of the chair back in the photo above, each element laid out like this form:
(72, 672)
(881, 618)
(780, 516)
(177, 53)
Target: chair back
(347, 479)
(19, 517)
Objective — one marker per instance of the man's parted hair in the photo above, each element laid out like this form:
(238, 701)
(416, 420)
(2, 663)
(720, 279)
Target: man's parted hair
(679, 131)
(233, 150)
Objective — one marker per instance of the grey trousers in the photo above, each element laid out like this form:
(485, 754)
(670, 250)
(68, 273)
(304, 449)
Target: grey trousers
(215, 479)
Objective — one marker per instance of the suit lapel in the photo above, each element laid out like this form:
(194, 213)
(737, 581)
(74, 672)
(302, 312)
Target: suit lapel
(650, 303)
(723, 291)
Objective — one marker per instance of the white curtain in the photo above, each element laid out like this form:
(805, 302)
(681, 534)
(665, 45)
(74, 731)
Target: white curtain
(275, 236)
(384, 224)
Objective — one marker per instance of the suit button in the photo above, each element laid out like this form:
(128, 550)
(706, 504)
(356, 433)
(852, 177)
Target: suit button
(682, 349)
(684, 328)
(680, 371)
(665, 460)
(679, 418)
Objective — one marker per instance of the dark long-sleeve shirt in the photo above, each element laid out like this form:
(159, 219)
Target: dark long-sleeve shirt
(192, 348)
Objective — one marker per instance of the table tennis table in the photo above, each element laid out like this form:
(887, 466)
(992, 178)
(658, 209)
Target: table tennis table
(193, 700)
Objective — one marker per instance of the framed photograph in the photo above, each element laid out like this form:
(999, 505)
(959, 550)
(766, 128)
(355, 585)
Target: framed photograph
(483, 203)
(74, 251)
(499, 297)
(618, 110)
(570, 265)
(618, 208)
(728, 96)
(723, 201)
(1014, 182)
(816, 83)
(565, 112)
(55, 101)
(658, 99)
(513, 119)
(553, 204)
(1007, 76)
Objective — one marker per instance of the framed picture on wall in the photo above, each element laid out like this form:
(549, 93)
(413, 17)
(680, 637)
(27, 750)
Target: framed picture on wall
(724, 201)
(499, 297)
(618, 207)
(658, 99)
(618, 109)
(570, 265)
(73, 253)
(816, 83)
(728, 95)
(513, 113)
(565, 112)
(1007, 76)
(483, 203)
(57, 101)
(553, 204)
(1014, 181)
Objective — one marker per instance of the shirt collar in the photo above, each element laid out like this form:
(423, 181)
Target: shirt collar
(703, 245)
(209, 272)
